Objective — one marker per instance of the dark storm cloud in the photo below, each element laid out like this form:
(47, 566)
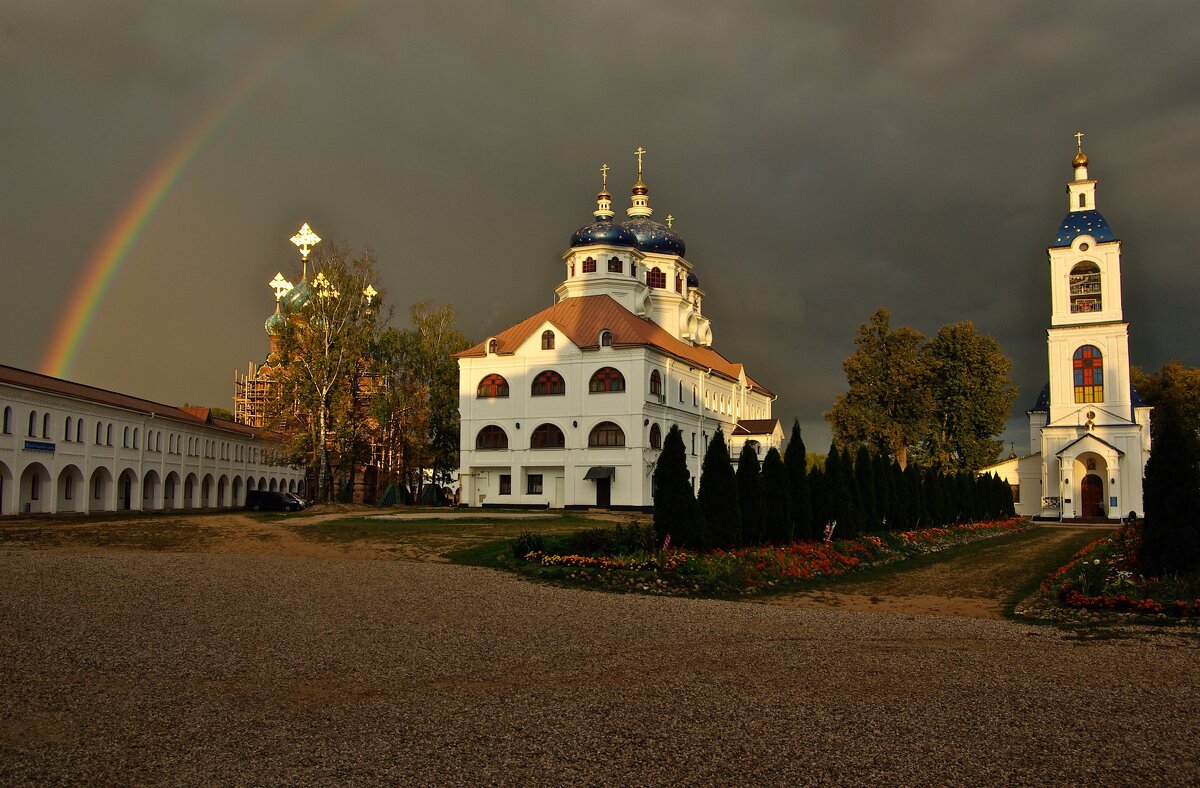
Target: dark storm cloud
(822, 160)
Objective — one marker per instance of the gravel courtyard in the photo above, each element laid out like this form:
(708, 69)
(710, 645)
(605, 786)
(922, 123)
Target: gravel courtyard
(151, 667)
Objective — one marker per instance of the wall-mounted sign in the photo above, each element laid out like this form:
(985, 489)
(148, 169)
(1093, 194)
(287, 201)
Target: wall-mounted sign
(39, 446)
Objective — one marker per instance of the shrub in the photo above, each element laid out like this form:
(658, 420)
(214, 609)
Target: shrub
(528, 543)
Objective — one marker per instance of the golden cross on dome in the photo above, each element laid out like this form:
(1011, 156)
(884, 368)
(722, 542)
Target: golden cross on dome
(279, 285)
(305, 240)
(670, 220)
(603, 176)
(640, 152)
(1079, 140)
(370, 293)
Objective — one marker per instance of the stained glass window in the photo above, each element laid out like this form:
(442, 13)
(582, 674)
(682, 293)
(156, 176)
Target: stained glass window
(1089, 374)
(589, 266)
(547, 384)
(606, 379)
(492, 386)
(656, 278)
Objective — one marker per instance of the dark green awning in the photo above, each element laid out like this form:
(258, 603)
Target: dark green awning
(600, 472)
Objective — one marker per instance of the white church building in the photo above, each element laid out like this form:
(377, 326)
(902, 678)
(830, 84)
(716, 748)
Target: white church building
(569, 407)
(1089, 432)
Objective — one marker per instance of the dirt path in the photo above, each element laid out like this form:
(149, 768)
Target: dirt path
(976, 584)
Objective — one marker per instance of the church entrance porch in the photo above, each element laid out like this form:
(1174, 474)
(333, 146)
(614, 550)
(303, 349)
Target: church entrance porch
(1091, 495)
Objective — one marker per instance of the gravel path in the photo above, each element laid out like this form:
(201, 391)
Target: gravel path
(134, 667)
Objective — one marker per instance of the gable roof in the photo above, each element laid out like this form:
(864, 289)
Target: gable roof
(1091, 436)
(23, 378)
(582, 318)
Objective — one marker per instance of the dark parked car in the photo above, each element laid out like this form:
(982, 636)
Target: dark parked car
(268, 501)
(303, 503)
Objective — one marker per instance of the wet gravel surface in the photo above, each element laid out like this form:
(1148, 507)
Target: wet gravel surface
(187, 669)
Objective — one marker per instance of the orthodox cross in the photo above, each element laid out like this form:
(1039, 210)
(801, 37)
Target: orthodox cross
(279, 285)
(305, 240)
(640, 152)
(603, 176)
(670, 219)
(1079, 140)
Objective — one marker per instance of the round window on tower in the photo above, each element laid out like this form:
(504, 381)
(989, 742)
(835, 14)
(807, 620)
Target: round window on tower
(1083, 247)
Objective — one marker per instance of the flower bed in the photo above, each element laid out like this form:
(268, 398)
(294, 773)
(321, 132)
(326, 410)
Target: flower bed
(754, 569)
(1105, 576)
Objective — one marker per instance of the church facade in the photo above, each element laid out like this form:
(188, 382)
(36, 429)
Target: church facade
(569, 407)
(1089, 431)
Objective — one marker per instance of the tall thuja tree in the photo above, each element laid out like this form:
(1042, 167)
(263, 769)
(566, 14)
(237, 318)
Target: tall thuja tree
(676, 511)
(750, 496)
(885, 492)
(864, 476)
(1171, 490)
(819, 495)
(719, 496)
(326, 350)
(902, 511)
(855, 516)
(838, 494)
(796, 462)
(918, 514)
(777, 500)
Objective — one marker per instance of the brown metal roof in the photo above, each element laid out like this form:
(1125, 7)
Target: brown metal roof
(755, 427)
(38, 382)
(582, 319)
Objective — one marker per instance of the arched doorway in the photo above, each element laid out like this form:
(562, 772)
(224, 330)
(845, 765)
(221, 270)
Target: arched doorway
(1091, 496)
(170, 487)
(237, 499)
(189, 491)
(150, 491)
(125, 488)
(36, 492)
(222, 487)
(71, 490)
(98, 490)
(206, 491)
(7, 502)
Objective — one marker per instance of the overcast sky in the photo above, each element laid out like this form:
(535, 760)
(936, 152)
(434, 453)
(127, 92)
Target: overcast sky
(822, 160)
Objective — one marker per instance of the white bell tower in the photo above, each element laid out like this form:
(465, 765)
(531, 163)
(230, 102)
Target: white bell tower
(1095, 438)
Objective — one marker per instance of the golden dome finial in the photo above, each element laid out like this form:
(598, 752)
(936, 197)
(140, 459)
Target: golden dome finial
(1081, 159)
(604, 181)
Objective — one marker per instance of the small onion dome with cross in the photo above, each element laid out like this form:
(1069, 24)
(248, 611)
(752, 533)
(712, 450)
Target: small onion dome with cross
(603, 230)
(651, 236)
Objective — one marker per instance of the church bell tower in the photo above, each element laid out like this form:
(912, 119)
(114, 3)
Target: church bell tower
(1095, 433)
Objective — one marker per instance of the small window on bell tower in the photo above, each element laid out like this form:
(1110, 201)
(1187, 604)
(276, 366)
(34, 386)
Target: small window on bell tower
(1085, 288)
(1082, 200)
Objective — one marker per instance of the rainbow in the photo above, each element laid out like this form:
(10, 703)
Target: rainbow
(111, 252)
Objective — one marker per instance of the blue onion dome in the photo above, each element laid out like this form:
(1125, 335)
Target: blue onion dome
(275, 323)
(693, 280)
(298, 296)
(655, 237)
(1043, 401)
(603, 232)
(1079, 223)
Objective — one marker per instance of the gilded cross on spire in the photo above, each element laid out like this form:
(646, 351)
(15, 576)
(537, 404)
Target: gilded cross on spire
(670, 220)
(1079, 141)
(305, 240)
(640, 152)
(603, 176)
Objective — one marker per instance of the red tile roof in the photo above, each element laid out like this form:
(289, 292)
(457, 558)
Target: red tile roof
(583, 318)
(32, 380)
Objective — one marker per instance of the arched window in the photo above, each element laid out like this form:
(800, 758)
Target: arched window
(1082, 200)
(492, 345)
(606, 338)
(33, 423)
(170, 444)
(633, 270)
(491, 437)
(678, 283)
(615, 266)
(135, 437)
(606, 379)
(7, 419)
(67, 430)
(46, 425)
(125, 438)
(606, 434)
(1089, 374)
(108, 436)
(79, 431)
(548, 384)
(158, 441)
(655, 383)
(589, 266)
(547, 340)
(655, 437)
(492, 386)
(99, 432)
(656, 278)
(1085, 288)
(547, 436)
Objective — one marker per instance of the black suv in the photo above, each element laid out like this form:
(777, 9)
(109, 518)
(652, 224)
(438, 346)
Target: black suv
(268, 501)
